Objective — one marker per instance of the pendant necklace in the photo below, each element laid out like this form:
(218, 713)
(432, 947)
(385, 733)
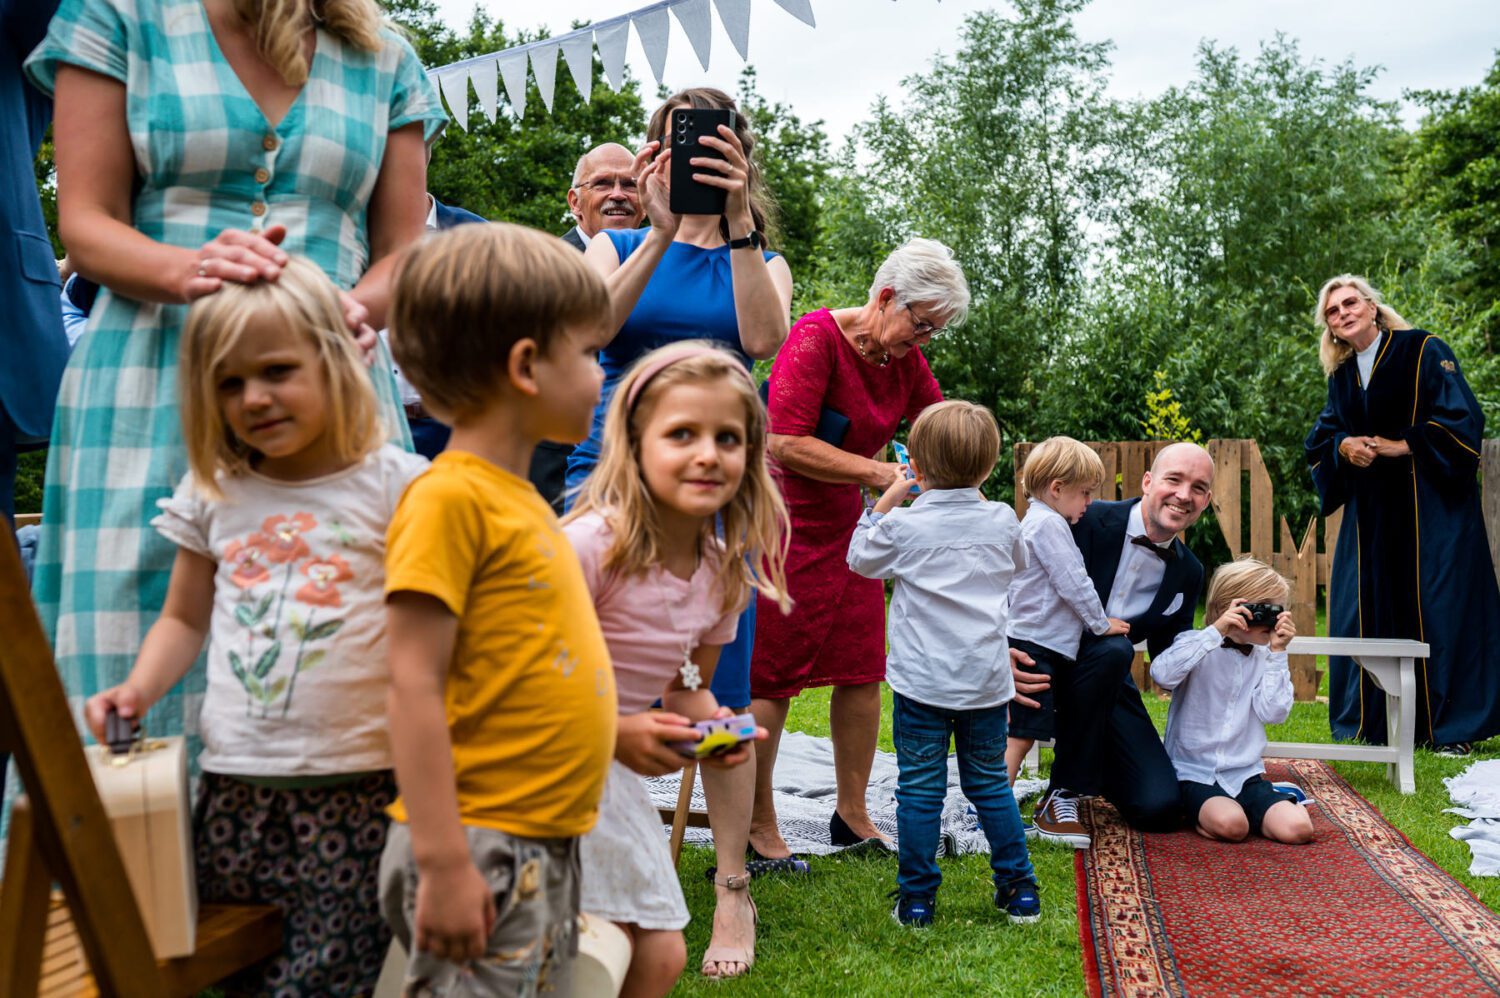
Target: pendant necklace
(692, 679)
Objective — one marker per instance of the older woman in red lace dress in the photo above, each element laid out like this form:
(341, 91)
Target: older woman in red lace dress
(839, 387)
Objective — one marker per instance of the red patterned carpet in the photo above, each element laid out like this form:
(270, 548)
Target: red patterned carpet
(1358, 912)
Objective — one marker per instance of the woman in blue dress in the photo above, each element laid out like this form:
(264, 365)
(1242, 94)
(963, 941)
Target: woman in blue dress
(692, 277)
(1397, 448)
(198, 142)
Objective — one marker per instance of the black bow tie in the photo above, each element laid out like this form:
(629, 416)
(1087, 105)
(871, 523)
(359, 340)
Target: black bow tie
(1168, 553)
(1242, 649)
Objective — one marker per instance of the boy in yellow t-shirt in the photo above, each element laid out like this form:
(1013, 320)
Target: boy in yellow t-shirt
(502, 701)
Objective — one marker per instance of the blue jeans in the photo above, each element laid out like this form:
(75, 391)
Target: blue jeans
(921, 734)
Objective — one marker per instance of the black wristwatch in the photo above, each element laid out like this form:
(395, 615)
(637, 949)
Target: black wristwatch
(753, 239)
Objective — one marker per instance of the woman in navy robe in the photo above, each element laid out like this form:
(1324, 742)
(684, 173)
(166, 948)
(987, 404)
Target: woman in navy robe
(1397, 446)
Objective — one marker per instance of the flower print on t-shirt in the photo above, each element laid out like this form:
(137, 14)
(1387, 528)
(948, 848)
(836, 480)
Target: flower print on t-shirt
(273, 655)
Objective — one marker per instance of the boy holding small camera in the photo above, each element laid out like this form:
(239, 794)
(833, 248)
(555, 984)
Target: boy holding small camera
(1228, 681)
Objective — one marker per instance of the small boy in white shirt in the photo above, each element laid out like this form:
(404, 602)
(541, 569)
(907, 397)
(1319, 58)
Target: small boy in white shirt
(1053, 599)
(1227, 685)
(952, 554)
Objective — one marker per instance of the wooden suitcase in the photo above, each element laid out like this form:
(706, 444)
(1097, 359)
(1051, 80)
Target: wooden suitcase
(145, 795)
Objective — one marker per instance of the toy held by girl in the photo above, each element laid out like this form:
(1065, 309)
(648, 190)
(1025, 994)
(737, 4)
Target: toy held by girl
(1053, 599)
(280, 526)
(952, 552)
(1228, 681)
(684, 451)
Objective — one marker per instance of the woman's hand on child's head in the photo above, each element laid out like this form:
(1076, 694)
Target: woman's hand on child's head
(1117, 626)
(455, 912)
(1234, 618)
(1285, 631)
(124, 699)
(238, 256)
(644, 742)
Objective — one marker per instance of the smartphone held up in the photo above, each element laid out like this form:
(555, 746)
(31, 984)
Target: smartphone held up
(690, 197)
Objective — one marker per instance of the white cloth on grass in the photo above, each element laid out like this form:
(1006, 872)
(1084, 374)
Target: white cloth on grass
(1476, 791)
(806, 792)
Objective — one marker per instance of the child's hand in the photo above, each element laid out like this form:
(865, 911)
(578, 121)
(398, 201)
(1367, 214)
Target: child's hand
(455, 912)
(1286, 630)
(1236, 617)
(643, 742)
(895, 494)
(740, 754)
(125, 699)
(1117, 626)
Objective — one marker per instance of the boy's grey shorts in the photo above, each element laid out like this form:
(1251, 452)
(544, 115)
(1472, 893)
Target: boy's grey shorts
(535, 886)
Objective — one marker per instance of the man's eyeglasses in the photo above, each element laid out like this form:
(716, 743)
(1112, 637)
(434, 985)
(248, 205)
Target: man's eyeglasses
(921, 326)
(606, 185)
(1347, 305)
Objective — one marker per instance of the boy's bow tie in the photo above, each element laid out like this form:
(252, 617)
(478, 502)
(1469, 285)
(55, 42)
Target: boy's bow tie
(1242, 649)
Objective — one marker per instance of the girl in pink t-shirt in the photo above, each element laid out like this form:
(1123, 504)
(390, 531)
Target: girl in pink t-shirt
(683, 462)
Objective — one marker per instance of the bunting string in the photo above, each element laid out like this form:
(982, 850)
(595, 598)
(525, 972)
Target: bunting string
(486, 73)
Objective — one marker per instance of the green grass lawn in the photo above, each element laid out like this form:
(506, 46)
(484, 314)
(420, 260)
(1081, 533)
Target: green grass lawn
(831, 933)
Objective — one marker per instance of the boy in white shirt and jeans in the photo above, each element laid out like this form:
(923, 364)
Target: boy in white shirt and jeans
(1227, 685)
(1052, 600)
(952, 553)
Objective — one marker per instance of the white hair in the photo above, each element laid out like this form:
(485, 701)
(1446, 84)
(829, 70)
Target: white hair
(923, 270)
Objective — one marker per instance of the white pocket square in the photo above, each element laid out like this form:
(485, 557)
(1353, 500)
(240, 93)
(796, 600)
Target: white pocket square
(1173, 606)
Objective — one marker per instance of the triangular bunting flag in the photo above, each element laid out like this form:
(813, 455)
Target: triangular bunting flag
(512, 67)
(735, 16)
(482, 75)
(578, 53)
(694, 17)
(455, 86)
(652, 27)
(800, 9)
(544, 68)
(611, 41)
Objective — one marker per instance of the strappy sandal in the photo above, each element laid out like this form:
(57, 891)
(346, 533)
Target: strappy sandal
(716, 955)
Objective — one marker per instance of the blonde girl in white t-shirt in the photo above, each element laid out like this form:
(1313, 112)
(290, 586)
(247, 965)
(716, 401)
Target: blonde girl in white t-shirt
(684, 452)
(280, 525)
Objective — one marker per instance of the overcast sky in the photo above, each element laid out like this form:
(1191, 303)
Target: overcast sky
(862, 48)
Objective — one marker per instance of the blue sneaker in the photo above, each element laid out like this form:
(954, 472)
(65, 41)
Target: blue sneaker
(914, 913)
(1020, 902)
(1296, 793)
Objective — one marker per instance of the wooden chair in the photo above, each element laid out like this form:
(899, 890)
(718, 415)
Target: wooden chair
(683, 815)
(90, 939)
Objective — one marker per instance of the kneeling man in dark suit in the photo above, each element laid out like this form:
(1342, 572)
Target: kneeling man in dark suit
(1106, 744)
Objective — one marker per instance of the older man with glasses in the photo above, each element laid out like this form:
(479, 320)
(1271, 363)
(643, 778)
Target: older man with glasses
(603, 195)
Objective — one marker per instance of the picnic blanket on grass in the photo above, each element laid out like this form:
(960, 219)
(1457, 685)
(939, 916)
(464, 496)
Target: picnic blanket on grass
(1359, 911)
(805, 793)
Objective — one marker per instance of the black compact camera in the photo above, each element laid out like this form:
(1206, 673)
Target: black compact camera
(1264, 614)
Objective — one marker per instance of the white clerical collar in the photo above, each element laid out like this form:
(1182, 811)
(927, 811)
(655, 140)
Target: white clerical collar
(431, 213)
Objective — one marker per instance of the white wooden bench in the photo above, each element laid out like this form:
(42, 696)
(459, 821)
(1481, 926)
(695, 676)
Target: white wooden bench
(1391, 665)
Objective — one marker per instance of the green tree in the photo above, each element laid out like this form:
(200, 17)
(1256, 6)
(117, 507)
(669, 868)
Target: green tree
(1251, 184)
(794, 160)
(999, 151)
(1455, 177)
(516, 169)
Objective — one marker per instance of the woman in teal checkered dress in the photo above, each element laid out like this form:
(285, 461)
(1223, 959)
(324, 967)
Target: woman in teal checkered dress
(171, 179)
